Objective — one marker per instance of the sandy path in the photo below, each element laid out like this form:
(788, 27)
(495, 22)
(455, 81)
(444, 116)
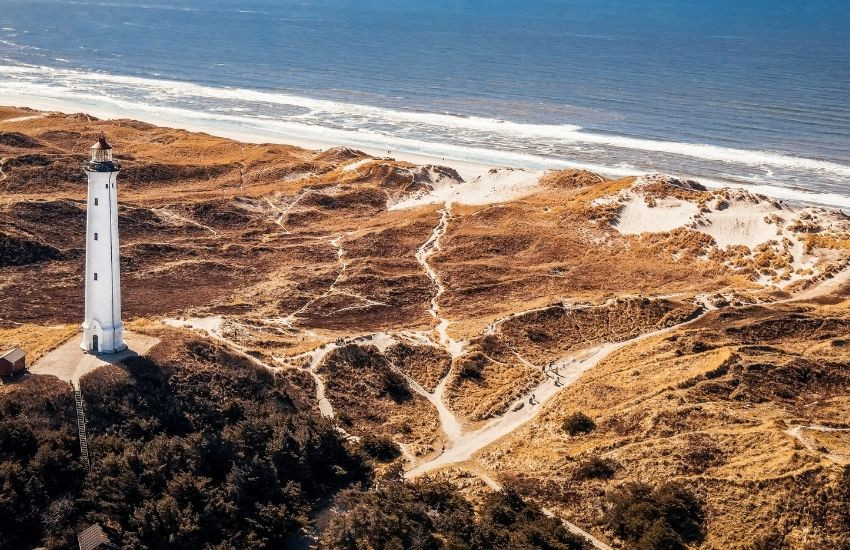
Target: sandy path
(212, 327)
(283, 213)
(798, 433)
(23, 118)
(177, 219)
(279, 218)
(825, 287)
(448, 421)
(488, 479)
(519, 413)
(422, 255)
(316, 356)
(568, 370)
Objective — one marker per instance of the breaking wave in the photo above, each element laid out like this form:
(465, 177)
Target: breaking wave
(259, 115)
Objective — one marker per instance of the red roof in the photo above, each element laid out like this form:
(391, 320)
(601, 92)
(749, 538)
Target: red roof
(101, 142)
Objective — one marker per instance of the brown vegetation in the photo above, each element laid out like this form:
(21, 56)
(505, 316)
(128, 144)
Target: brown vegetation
(285, 250)
(710, 406)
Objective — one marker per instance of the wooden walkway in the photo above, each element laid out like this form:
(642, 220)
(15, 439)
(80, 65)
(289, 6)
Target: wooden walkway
(81, 429)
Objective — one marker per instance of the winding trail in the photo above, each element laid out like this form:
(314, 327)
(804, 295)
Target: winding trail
(520, 411)
(491, 482)
(448, 421)
(278, 220)
(23, 118)
(463, 445)
(212, 326)
(343, 265)
(568, 370)
(423, 254)
(316, 356)
(798, 433)
(175, 217)
(3, 175)
(283, 213)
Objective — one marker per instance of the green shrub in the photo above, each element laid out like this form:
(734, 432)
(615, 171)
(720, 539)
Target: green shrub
(395, 386)
(432, 515)
(578, 423)
(472, 367)
(198, 450)
(668, 516)
(380, 448)
(659, 536)
(596, 468)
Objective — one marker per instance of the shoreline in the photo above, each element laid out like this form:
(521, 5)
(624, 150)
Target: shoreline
(468, 168)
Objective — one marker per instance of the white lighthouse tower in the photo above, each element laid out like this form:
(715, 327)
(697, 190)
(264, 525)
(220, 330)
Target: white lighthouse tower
(103, 331)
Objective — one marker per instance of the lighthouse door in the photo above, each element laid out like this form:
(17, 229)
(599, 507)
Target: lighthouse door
(94, 343)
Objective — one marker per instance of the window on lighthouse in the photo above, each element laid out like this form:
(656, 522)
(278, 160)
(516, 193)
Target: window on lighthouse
(95, 276)
(95, 236)
(95, 201)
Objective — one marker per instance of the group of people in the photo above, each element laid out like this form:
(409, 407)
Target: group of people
(548, 369)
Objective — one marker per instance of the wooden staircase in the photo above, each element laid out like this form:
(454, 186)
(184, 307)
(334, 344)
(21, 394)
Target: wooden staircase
(81, 428)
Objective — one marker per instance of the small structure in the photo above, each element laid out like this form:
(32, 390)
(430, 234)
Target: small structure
(12, 362)
(95, 538)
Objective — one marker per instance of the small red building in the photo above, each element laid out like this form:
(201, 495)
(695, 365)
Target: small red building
(12, 362)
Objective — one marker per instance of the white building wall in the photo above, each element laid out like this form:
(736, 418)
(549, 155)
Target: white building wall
(103, 294)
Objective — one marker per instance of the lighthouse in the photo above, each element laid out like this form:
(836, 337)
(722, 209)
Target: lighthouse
(103, 331)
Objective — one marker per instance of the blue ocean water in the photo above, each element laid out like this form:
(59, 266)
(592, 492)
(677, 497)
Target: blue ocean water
(751, 92)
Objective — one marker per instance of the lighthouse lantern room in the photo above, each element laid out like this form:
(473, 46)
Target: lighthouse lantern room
(103, 331)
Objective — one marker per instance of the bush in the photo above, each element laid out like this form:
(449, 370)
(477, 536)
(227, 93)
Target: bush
(667, 517)
(578, 423)
(382, 449)
(431, 515)
(198, 450)
(659, 536)
(395, 386)
(472, 367)
(17, 440)
(596, 468)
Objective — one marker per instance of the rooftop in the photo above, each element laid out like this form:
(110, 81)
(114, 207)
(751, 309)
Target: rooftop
(93, 538)
(15, 354)
(101, 142)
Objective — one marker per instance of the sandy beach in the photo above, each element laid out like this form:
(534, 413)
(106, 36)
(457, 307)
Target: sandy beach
(468, 170)
(464, 161)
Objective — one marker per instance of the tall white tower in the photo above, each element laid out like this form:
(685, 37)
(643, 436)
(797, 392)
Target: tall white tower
(103, 331)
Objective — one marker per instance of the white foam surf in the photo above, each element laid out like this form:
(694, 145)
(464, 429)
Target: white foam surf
(165, 88)
(239, 113)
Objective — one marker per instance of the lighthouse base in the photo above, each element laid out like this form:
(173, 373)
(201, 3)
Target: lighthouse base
(103, 339)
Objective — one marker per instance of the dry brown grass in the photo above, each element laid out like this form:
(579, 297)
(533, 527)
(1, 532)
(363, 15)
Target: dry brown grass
(709, 406)
(295, 252)
(370, 397)
(36, 340)
(427, 365)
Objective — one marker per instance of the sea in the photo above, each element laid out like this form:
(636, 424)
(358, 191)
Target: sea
(752, 93)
